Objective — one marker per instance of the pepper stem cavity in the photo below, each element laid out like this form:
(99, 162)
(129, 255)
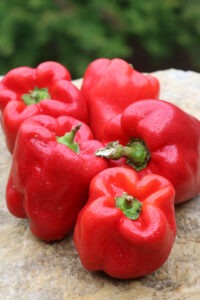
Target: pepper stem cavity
(130, 206)
(136, 153)
(35, 96)
(68, 139)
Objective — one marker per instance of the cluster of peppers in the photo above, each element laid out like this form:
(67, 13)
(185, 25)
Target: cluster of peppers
(108, 161)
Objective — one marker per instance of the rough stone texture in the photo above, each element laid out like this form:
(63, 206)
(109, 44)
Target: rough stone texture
(32, 269)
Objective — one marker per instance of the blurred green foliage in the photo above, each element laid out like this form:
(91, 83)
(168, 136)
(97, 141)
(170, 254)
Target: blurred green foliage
(149, 34)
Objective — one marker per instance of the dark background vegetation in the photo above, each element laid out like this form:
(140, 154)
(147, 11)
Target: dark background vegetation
(151, 35)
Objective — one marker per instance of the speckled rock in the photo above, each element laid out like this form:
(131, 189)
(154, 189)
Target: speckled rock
(32, 269)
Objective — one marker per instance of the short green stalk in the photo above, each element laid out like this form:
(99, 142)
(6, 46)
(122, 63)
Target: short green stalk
(136, 153)
(68, 139)
(35, 96)
(130, 206)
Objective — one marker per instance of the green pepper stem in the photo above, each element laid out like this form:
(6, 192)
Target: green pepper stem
(35, 96)
(68, 139)
(136, 153)
(130, 206)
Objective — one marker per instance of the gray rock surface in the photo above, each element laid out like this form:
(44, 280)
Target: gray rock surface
(32, 269)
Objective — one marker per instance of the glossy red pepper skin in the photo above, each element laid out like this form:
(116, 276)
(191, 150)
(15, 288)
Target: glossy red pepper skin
(48, 182)
(108, 240)
(63, 97)
(109, 86)
(173, 139)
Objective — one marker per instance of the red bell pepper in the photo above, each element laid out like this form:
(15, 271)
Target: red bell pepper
(50, 173)
(47, 89)
(161, 138)
(109, 86)
(127, 228)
